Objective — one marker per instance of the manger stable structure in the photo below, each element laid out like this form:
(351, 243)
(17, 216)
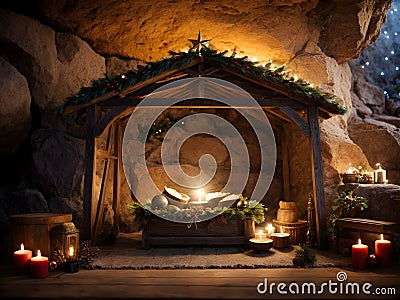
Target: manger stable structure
(110, 101)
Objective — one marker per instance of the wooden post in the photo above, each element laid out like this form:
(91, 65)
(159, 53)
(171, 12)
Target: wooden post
(285, 162)
(249, 231)
(90, 173)
(98, 221)
(117, 176)
(317, 173)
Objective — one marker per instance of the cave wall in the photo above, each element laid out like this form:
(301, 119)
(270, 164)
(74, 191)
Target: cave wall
(79, 41)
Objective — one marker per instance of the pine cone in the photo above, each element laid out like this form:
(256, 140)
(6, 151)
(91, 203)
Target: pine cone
(58, 257)
(88, 252)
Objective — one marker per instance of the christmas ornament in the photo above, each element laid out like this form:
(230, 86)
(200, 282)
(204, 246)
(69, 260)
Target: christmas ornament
(197, 44)
(53, 265)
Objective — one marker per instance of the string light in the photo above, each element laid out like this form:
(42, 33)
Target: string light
(384, 76)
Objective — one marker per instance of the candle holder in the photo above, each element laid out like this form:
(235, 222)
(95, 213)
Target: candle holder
(261, 245)
(281, 239)
(71, 266)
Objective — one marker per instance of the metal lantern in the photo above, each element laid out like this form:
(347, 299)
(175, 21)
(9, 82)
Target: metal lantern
(65, 237)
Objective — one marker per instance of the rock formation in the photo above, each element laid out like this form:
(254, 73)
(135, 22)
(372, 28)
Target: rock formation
(83, 40)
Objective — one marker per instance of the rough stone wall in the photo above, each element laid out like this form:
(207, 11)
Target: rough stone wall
(314, 38)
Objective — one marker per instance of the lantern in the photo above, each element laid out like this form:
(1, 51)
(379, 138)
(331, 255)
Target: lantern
(65, 237)
(379, 174)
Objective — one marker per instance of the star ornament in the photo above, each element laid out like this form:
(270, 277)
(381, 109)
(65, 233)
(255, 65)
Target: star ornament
(197, 44)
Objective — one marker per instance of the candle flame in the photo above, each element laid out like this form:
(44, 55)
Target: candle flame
(381, 237)
(200, 193)
(39, 254)
(260, 233)
(359, 241)
(71, 251)
(22, 247)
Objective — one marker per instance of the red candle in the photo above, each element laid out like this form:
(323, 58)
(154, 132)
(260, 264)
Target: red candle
(39, 266)
(383, 252)
(22, 260)
(359, 255)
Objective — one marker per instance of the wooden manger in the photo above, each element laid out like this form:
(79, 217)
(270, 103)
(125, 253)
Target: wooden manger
(211, 232)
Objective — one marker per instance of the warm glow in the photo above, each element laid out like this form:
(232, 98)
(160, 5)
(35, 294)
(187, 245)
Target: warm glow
(200, 193)
(281, 229)
(22, 247)
(39, 254)
(270, 229)
(71, 251)
(359, 241)
(381, 237)
(260, 234)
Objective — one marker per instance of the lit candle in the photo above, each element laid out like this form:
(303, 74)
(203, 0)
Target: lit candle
(380, 174)
(21, 260)
(39, 266)
(281, 230)
(383, 252)
(359, 255)
(350, 169)
(270, 229)
(200, 193)
(71, 251)
(260, 235)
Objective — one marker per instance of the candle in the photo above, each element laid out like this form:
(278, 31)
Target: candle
(22, 260)
(359, 255)
(71, 265)
(39, 266)
(260, 235)
(200, 193)
(350, 169)
(270, 229)
(380, 174)
(383, 252)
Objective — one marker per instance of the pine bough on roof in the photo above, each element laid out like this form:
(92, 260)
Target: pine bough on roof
(277, 75)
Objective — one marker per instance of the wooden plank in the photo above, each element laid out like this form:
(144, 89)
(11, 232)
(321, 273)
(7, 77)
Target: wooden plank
(158, 77)
(98, 221)
(117, 176)
(40, 218)
(90, 173)
(69, 109)
(103, 154)
(213, 228)
(197, 240)
(317, 173)
(296, 118)
(285, 162)
(109, 118)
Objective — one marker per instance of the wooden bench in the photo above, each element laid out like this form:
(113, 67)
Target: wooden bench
(352, 229)
(34, 230)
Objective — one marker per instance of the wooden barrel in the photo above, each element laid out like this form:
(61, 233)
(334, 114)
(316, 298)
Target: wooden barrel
(287, 212)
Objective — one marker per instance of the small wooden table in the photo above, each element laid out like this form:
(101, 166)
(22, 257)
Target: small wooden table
(34, 230)
(352, 229)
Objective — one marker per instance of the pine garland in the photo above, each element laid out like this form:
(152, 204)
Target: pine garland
(277, 75)
(247, 210)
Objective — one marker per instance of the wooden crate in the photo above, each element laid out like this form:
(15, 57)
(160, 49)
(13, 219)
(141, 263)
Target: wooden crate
(352, 229)
(212, 232)
(34, 230)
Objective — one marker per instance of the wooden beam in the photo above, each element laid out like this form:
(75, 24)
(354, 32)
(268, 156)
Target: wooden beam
(69, 109)
(278, 114)
(285, 162)
(317, 173)
(103, 154)
(158, 77)
(110, 117)
(117, 177)
(295, 117)
(98, 221)
(90, 173)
